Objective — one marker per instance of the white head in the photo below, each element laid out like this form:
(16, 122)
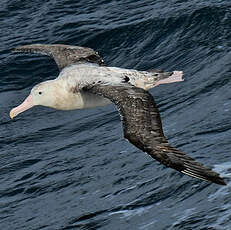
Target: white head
(46, 94)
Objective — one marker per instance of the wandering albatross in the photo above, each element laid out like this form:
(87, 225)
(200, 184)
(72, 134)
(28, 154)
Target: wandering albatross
(85, 82)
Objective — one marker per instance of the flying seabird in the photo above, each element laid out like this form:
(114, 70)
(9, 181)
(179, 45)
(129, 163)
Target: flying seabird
(85, 82)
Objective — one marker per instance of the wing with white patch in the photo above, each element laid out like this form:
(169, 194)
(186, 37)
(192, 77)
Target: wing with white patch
(64, 55)
(142, 127)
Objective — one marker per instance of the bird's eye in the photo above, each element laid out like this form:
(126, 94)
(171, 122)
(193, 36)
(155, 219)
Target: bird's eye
(40, 92)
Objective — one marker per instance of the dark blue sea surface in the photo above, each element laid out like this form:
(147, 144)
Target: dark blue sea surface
(64, 170)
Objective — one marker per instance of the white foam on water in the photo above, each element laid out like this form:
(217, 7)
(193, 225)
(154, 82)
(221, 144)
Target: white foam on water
(131, 213)
(224, 217)
(148, 225)
(185, 214)
(222, 169)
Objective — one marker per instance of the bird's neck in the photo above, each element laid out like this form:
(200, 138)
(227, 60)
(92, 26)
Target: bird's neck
(65, 97)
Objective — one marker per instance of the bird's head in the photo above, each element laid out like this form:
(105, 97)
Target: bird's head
(44, 94)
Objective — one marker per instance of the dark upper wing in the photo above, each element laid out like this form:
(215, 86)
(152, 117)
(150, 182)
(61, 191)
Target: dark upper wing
(64, 55)
(142, 127)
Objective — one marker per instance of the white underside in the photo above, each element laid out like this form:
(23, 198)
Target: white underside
(91, 100)
(81, 100)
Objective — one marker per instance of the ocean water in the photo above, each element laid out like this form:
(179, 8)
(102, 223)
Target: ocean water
(73, 170)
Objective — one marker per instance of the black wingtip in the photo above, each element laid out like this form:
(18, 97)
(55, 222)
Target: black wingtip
(25, 48)
(187, 165)
(204, 174)
(15, 50)
(215, 179)
(20, 49)
(219, 181)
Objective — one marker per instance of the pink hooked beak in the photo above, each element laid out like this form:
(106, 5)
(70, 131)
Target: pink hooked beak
(27, 104)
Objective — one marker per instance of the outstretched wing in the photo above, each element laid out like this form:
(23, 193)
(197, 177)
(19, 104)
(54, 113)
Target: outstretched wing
(142, 127)
(64, 55)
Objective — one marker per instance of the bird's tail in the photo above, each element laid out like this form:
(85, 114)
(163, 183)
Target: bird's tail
(152, 78)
